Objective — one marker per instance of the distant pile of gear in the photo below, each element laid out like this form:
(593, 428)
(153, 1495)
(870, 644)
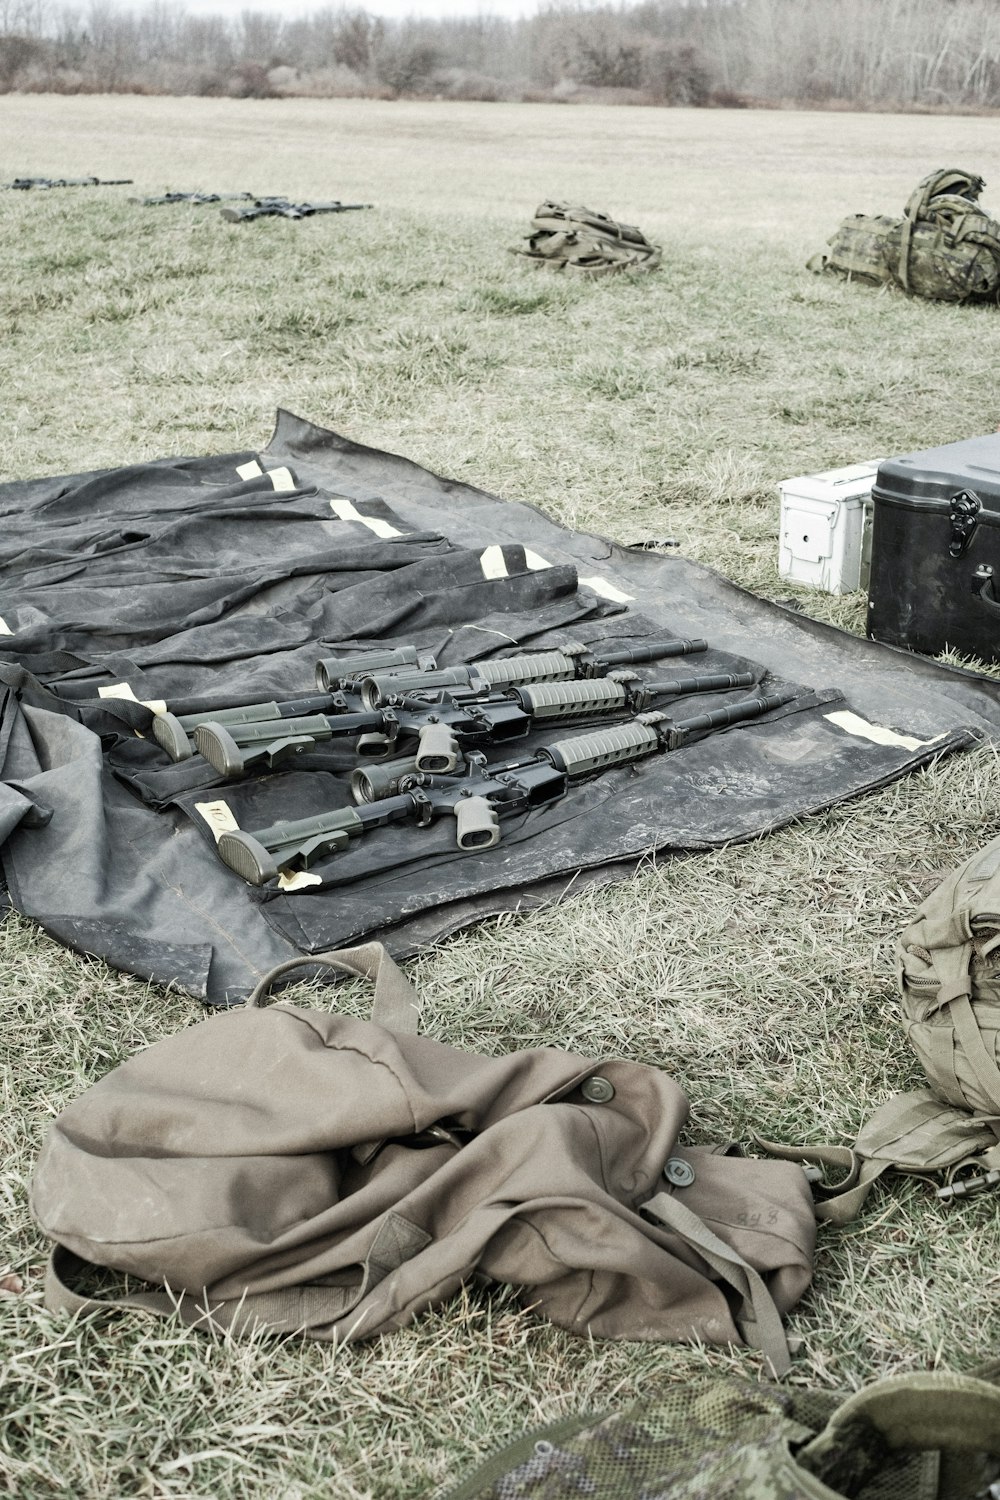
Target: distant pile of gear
(567, 237)
(945, 247)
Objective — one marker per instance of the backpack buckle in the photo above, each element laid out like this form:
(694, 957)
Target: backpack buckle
(966, 1187)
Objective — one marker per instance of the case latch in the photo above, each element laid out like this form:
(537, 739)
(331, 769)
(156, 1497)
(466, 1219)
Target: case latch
(963, 514)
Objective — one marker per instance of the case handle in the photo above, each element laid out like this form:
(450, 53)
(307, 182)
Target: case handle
(984, 589)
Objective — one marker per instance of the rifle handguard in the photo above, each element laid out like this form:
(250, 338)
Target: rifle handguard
(437, 750)
(477, 824)
(537, 666)
(605, 747)
(562, 700)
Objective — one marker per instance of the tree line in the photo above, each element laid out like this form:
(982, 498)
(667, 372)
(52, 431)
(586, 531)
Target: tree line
(862, 54)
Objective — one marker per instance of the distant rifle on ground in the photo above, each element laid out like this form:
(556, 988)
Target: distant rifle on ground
(195, 198)
(435, 728)
(377, 679)
(283, 208)
(24, 184)
(480, 796)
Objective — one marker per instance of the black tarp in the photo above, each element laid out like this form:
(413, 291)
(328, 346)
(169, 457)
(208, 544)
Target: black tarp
(194, 576)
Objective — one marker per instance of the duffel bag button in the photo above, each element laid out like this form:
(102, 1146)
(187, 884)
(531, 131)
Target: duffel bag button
(680, 1173)
(597, 1090)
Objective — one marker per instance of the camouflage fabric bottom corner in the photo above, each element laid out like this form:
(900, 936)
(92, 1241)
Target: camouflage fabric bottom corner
(925, 1436)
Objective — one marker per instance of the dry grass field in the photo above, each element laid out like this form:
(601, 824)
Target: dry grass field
(670, 405)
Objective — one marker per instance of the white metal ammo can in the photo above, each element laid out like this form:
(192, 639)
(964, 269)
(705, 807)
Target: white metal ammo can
(825, 528)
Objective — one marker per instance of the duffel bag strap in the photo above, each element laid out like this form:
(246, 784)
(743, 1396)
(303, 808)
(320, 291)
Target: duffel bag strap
(395, 1005)
(760, 1323)
(844, 1199)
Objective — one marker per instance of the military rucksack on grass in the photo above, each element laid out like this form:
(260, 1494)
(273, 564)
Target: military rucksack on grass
(948, 970)
(583, 241)
(945, 247)
(925, 1436)
(304, 1171)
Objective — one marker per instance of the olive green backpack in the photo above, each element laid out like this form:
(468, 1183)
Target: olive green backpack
(948, 970)
(925, 1436)
(945, 247)
(586, 242)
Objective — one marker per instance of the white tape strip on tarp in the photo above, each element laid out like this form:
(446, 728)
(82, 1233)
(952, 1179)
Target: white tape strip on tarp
(853, 723)
(346, 510)
(122, 690)
(607, 590)
(494, 564)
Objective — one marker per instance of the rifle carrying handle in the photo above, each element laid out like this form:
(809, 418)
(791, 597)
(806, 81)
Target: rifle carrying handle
(478, 826)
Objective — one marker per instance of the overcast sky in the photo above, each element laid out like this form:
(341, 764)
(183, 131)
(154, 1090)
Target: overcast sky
(392, 9)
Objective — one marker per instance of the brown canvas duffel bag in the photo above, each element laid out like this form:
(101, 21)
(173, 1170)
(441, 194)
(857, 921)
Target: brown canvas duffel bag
(312, 1172)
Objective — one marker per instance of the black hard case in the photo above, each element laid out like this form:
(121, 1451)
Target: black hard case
(935, 558)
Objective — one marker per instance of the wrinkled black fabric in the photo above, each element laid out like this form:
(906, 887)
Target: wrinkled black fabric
(179, 579)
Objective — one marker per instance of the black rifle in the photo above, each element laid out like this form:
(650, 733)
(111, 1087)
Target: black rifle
(195, 198)
(174, 729)
(437, 723)
(437, 734)
(24, 184)
(480, 797)
(285, 209)
(562, 665)
(372, 674)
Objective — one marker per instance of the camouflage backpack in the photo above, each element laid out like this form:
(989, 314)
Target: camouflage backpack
(948, 970)
(566, 237)
(925, 1436)
(944, 247)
